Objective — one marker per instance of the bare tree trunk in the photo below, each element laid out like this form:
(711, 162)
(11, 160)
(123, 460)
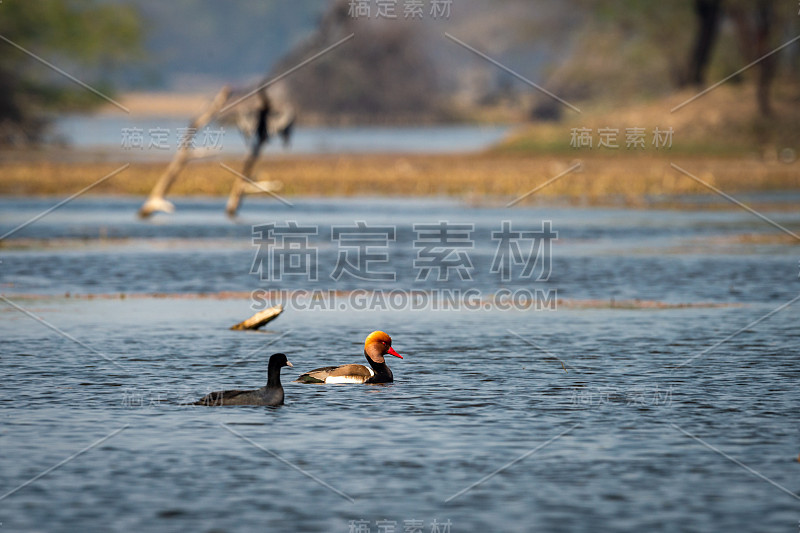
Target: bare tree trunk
(261, 136)
(270, 119)
(756, 26)
(766, 68)
(708, 16)
(156, 201)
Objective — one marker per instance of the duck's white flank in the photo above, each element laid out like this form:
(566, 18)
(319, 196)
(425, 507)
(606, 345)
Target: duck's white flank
(345, 379)
(349, 379)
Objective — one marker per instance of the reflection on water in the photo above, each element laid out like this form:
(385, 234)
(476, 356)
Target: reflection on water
(605, 446)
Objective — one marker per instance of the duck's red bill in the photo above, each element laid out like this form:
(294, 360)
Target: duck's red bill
(392, 352)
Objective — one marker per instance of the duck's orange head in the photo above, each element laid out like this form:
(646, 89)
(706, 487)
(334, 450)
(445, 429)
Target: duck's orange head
(379, 342)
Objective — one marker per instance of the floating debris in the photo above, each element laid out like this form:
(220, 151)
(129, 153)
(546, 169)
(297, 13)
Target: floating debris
(260, 319)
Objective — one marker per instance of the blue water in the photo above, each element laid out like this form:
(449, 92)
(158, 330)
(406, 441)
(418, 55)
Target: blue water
(160, 137)
(622, 441)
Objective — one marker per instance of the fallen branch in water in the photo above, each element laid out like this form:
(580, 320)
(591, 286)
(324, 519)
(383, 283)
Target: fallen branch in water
(259, 319)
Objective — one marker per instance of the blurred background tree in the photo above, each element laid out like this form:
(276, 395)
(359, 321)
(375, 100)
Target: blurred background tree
(758, 31)
(612, 53)
(386, 74)
(644, 48)
(708, 14)
(87, 38)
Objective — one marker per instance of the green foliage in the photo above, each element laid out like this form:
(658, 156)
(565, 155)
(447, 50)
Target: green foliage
(83, 30)
(86, 38)
(626, 48)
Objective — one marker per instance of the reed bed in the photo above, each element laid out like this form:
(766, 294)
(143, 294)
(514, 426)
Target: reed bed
(483, 177)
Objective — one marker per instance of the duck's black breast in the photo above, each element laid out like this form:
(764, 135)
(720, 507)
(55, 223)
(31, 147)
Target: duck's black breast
(383, 374)
(271, 394)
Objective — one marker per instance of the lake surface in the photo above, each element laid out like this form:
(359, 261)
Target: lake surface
(155, 138)
(482, 429)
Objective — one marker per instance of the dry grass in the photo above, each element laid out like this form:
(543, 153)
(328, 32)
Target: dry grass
(719, 138)
(723, 122)
(477, 177)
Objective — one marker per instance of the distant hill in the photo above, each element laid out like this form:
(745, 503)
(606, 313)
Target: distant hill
(199, 44)
(408, 70)
(196, 45)
(405, 69)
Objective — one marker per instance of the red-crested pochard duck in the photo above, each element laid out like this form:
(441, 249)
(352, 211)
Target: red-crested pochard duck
(377, 345)
(271, 394)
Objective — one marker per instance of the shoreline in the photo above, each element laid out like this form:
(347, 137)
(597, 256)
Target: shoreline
(575, 304)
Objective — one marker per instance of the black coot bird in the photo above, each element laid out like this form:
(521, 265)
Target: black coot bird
(376, 346)
(271, 394)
